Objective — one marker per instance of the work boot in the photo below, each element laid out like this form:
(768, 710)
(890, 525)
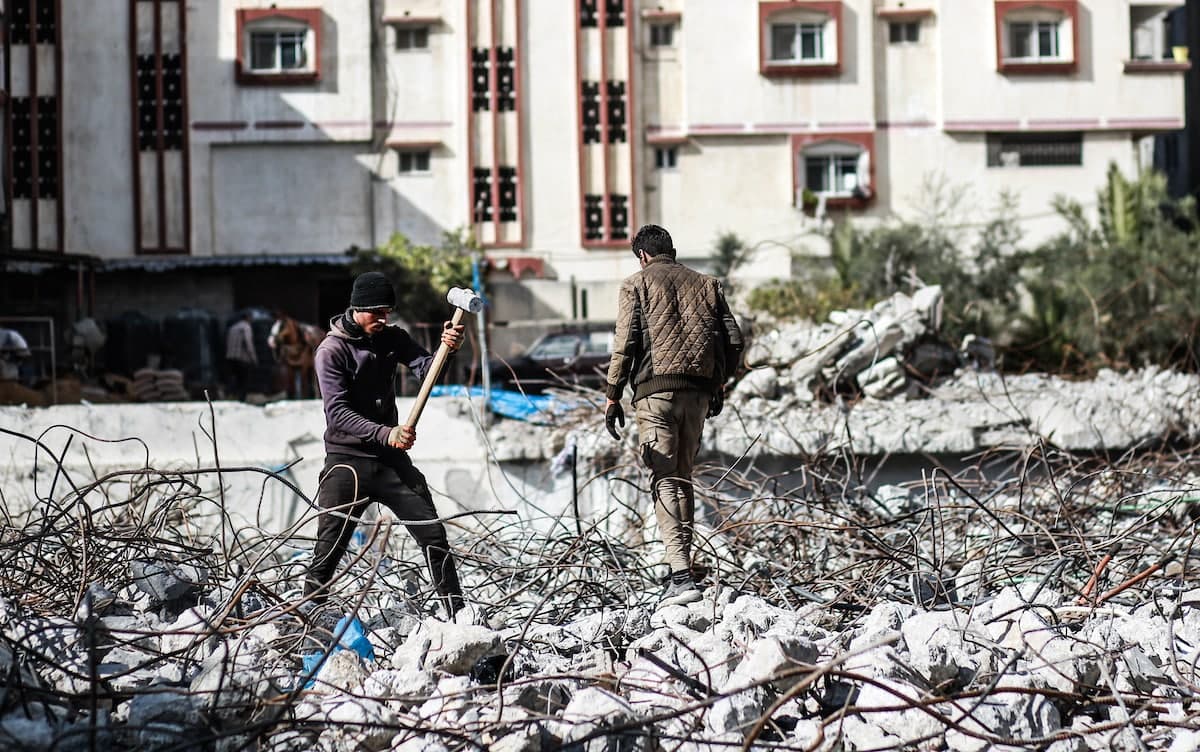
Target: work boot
(470, 615)
(680, 593)
(458, 611)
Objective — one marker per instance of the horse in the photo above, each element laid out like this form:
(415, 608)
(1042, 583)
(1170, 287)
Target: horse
(294, 344)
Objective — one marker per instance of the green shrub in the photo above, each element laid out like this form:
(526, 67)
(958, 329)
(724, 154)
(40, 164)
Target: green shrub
(421, 274)
(812, 299)
(1122, 292)
(872, 263)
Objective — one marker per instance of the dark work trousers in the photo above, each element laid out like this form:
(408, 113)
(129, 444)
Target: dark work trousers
(239, 377)
(348, 485)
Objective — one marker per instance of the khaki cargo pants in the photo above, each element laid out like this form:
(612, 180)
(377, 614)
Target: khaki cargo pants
(669, 426)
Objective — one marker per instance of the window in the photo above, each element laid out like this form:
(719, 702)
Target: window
(278, 51)
(664, 157)
(834, 174)
(412, 38)
(598, 343)
(278, 46)
(800, 38)
(837, 169)
(1037, 37)
(662, 35)
(413, 162)
(798, 43)
(1151, 31)
(1034, 149)
(1033, 40)
(900, 32)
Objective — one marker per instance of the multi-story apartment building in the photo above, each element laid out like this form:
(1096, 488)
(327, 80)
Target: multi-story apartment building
(227, 152)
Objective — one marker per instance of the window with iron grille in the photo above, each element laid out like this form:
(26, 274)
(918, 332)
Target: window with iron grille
(1034, 149)
(664, 157)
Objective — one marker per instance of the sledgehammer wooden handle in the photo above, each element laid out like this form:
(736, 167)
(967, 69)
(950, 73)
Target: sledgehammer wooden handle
(435, 371)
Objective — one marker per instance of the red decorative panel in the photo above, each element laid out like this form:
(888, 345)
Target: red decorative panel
(33, 167)
(495, 128)
(605, 116)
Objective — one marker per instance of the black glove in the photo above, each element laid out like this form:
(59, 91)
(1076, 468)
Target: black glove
(612, 416)
(716, 403)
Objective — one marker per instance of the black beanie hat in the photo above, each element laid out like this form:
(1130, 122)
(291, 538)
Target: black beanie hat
(372, 290)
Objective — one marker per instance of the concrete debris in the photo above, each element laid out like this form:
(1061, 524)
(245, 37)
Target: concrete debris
(738, 711)
(760, 382)
(945, 652)
(450, 648)
(164, 581)
(342, 671)
(985, 607)
(883, 379)
(923, 395)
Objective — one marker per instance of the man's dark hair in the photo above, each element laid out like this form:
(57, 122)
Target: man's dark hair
(653, 241)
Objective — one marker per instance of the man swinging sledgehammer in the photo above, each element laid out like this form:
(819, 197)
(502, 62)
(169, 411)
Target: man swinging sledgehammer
(366, 447)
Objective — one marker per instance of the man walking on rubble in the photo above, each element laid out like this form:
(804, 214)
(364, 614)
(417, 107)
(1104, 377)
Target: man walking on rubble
(366, 450)
(676, 343)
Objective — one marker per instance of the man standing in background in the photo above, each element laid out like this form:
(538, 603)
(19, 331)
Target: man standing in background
(240, 355)
(676, 343)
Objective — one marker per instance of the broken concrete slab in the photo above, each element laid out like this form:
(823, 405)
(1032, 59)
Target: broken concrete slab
(441, 646)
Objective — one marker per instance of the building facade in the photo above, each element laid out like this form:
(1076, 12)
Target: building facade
(211, 139)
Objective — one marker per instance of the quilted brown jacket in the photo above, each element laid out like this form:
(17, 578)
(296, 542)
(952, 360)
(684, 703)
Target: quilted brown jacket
(674, 332)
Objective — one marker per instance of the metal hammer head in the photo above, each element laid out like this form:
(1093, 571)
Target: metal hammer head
(465, 299)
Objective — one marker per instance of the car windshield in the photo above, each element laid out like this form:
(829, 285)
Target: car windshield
(598, 343)
(561, 346)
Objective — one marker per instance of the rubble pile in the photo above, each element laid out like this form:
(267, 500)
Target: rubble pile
(880, 352)
(1031, 601)
(920, 396)
(881, 382)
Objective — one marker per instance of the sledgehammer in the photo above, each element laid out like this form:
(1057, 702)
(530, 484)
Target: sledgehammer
(464, 301)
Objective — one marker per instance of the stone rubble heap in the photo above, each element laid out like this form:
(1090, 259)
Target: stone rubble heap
(1022, 669)
(953, 616)
(875, 351)
(920, 396)
(917, 396)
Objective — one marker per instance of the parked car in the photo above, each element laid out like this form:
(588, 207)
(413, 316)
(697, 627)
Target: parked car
(556, 359)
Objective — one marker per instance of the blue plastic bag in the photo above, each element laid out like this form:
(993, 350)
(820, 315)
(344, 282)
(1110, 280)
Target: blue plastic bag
(350, 636)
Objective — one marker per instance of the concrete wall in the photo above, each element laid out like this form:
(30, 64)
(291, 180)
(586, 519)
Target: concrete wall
(168, 436)
(1100, 90)
(303, 200)
(724, 86)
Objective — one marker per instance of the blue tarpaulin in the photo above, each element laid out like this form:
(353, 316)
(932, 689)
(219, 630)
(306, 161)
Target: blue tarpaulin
(350, 636)
(533, 408)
